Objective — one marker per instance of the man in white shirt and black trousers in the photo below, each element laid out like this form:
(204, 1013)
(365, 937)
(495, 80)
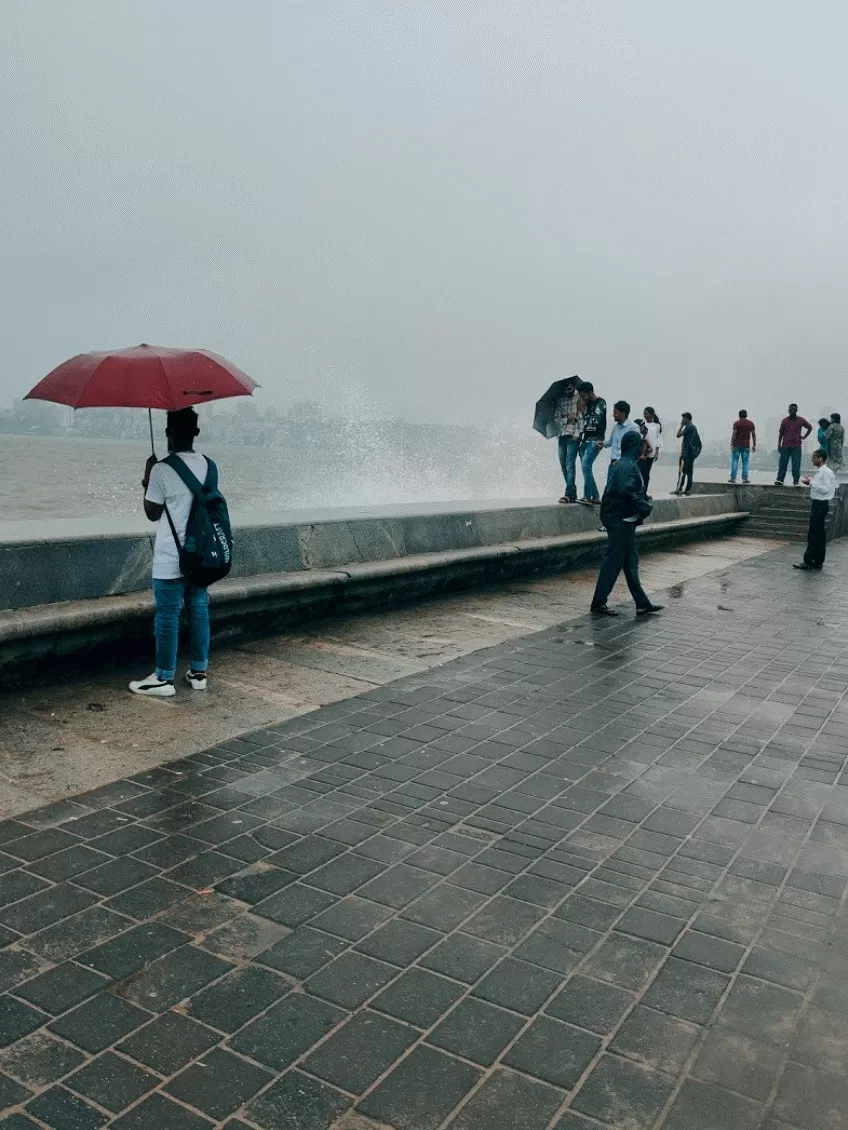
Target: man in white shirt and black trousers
(822, 489)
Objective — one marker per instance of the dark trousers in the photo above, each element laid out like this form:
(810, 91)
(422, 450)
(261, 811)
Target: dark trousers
(816, 535)
(646, 466)
(620, 554)
(568, 449)
(787, 453)
(684, 480)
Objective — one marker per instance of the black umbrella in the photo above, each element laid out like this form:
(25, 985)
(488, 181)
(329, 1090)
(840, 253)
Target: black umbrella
(544, 421)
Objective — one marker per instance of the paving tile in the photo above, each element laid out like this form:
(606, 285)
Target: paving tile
(556, 945)
(476, 1031)
(204, 870)
(40, 1059)
(59, 1109)
(237, 998)
(626, 962)
(518, 986)
(444, 908)
(783, 969)
(68, 863)
(813, 1100)
(418, 997)
(761, 1010)
(148, 898)
(590, 1004)
(398, 886)
(169, 1043)
(255, 883)
(399, 942)
(706, 950)
(702, 1106)
(463, 958)
(294, 905)
(15, 967)
(481, 878)
(421, 1091)
(739, 1063)
(61, 988)
(287, 1030)
(218, 1083)
(504, 921)
(344, 875)
(360, 1052)
(306, 855)
(651, 925)
(619, 1091)
(244, 937)
(688, 991)
(43, 909)
(39, 844)
(18, 1122)
(350, 980)
(656, 1039)
(115, 876)
(553, 1052)
(297, 1102)
(17, 1020)
(351, 918)
(112, 1082)
(507, 1099)
(303, 952)
(12, 1093)
(172, 978)
(159, 1113)
(99, 1023)
(128, 952)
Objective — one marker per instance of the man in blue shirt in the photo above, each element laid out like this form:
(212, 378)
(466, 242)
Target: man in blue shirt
(623, 425)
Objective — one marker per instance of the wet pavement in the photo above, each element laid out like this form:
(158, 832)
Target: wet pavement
(593, 876)
(59, 740)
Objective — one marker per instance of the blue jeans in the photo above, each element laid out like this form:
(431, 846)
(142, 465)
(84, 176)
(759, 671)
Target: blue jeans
(589, 452)
(568, 448)
(787, 453)
(737, 453)
(170, 598)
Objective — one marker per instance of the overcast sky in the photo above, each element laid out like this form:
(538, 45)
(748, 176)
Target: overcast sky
(439, 205)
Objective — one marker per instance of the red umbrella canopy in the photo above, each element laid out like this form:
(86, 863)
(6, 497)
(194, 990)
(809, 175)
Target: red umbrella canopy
(145, 376)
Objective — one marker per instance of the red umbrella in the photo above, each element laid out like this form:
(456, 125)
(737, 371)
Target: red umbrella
(145, 376)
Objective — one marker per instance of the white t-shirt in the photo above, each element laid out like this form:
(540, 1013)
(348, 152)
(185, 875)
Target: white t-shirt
(654, 438)
(166, 488)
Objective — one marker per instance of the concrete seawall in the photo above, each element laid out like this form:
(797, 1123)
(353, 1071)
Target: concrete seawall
(69, 594)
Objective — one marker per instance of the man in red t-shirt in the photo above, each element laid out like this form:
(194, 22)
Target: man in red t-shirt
(743, 440)
(792, 435)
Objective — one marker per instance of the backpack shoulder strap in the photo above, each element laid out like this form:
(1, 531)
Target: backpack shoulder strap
(187, 476)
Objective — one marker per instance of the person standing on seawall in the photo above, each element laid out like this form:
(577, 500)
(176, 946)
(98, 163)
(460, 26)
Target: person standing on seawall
(821, 435)
(689, 452)
(790, 438)
(822, 489)
(569, 418)
(623, 508)
(623, 424)
(743, 441)
(591, 440)
(654, 430)
(166, 495)
(834, 443)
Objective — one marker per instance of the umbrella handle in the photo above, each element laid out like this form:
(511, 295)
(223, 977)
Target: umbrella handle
(150, 421)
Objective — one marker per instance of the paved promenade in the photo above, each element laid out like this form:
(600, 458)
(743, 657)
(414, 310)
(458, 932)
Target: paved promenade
(592, 877)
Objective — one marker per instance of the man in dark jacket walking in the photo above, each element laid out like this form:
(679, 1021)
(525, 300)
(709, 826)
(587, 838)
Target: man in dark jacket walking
(624, 506)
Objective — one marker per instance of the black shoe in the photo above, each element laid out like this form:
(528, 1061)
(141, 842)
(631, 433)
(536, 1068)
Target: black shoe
(803, 565)
(648, 609)
(602, 610)
(778, 483)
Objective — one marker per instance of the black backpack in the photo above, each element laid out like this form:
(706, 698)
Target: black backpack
(206, 555)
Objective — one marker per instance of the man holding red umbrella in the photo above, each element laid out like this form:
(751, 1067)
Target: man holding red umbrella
(168, 502)
(180, 493)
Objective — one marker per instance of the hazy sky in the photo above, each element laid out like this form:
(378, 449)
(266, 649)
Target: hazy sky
(441, 204)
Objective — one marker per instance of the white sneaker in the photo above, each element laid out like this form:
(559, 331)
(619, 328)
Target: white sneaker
(196, 680)
(153, 687)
